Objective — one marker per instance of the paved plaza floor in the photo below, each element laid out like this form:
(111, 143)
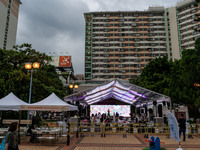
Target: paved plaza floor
(111, 142)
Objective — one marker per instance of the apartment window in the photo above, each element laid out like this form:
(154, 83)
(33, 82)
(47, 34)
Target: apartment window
(106, 65)
(121, 65)
(133, 24)
(106, 71)
(106, 44)
(106, 50)
(121, 39)
(106, 55)
(106, 25)
(193, 11)
(121, 50)
(121, 25)
(106, 40)
(106, 60)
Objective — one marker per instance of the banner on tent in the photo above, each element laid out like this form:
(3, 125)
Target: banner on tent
(45, 108)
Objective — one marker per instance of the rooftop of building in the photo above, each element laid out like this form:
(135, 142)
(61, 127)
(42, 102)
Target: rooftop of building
(180, 4)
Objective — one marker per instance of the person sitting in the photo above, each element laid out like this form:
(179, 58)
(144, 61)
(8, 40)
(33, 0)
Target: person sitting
(30, 133)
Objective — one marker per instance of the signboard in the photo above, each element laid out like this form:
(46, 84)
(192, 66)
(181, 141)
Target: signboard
(173, 124)
(65, 61)
(7, 121)
(55, 61)
(61, 61)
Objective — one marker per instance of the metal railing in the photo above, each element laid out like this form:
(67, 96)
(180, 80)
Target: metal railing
(121, 128)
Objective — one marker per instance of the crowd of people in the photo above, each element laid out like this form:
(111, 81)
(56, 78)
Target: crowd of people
(116, 118)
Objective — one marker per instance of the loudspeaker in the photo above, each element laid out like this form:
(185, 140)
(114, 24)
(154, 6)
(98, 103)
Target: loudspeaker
(142, 111)
(154, 103)
(150, 110)
(138, 111)
(69, 102)
(164, 103)
(77, 103)
(160, 110)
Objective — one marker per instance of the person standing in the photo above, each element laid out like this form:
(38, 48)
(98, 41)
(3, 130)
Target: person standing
(11, 137)
(108, 112)
(182, 126)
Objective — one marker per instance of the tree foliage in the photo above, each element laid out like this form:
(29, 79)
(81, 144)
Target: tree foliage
(175, 79)
(15, 78)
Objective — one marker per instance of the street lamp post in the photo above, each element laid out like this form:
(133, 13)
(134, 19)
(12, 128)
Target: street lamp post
(75, 86)
(28, 66)
(71, 86)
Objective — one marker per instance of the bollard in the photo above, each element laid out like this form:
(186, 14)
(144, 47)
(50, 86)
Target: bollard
(77, 133)
(68, 136)
(154, 144)
(68, 139)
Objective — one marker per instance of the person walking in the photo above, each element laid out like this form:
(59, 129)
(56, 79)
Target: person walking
(182, 126)
(11, 137)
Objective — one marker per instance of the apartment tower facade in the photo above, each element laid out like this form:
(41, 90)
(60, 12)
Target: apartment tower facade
(121, 44)
(9, 12)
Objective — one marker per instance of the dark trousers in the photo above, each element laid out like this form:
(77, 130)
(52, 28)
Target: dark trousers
(180, 131)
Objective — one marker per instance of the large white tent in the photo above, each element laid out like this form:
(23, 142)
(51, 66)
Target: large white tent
(11, 102)
(120, 90)
(51, 103)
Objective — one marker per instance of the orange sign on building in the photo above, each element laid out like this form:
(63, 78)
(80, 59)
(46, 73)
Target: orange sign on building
(65, 61)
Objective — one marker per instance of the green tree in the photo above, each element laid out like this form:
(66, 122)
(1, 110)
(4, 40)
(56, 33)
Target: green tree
(175, 79)
(15, 78)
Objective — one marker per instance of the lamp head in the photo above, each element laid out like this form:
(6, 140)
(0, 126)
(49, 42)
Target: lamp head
(36, 65)
(28, 66)
(76, 86)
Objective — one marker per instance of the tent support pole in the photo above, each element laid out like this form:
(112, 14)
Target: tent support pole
(146, 110)
(19, 126)
(135, 110)
(1, 119)
(170, 105)
(86, 111)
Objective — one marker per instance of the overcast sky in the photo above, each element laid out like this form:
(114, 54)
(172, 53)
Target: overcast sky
(57, 26)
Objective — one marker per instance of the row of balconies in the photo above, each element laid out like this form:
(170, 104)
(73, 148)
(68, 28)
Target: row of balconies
(127, 14)
(129, 20)
(128, 29)
(95, 67)
(127, 50)
(99, 35)
(125, 40)
(115, 24)
(127, 44)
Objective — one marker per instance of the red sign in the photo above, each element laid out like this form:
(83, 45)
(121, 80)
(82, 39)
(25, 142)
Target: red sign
(65, 61)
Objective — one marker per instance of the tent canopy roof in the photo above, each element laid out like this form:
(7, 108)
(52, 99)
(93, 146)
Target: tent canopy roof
(11, 102)
(51, 103)
(119, 90)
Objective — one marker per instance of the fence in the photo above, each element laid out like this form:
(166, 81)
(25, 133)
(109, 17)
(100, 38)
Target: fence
(122, 128)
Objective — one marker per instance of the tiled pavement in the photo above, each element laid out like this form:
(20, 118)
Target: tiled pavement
(112, 142)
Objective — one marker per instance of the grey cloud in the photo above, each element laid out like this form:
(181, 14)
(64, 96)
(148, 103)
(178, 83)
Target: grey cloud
(58, 25)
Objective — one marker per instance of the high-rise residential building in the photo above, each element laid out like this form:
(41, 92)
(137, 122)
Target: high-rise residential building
(120, 44)
(9, 10)
(182, 29)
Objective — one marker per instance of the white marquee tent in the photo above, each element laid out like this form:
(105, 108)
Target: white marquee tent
(51, 103)
(11, 102)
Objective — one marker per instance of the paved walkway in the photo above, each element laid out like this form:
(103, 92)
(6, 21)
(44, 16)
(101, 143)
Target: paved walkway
(113, 142)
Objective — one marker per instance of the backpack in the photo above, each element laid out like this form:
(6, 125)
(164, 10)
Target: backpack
(3, 143)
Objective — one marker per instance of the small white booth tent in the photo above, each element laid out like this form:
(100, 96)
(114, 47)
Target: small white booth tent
(11, 102)
(51, 103)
